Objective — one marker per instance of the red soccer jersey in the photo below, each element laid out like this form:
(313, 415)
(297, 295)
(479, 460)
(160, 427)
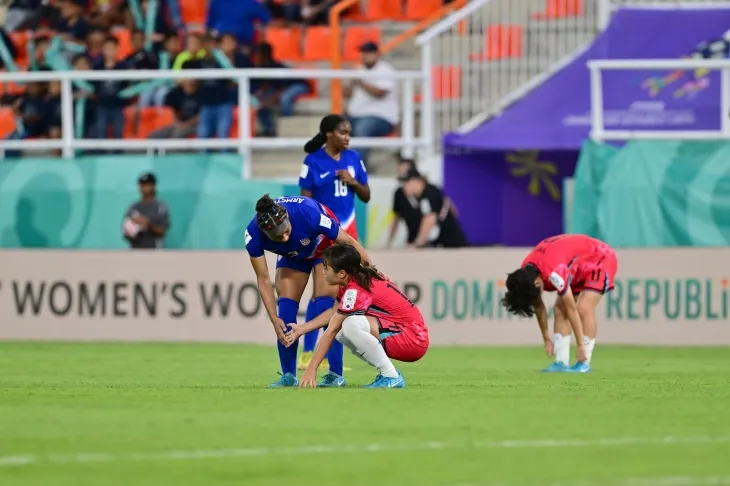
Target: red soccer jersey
(384, 300)
(566, 260)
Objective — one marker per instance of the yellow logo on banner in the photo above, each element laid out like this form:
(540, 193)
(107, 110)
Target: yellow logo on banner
(540, 172)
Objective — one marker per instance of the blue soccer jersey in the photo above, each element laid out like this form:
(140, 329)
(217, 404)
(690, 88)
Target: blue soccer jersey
(312, 230)
(319, 176)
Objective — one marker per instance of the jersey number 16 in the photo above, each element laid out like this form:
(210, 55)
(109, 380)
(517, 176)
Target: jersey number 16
(340, 188)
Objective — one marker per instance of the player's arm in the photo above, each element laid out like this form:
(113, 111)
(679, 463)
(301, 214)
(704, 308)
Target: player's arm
(344, 239)
(542, 319)
(266, 288)
(318, 322)
(325, 342)
(571, 308)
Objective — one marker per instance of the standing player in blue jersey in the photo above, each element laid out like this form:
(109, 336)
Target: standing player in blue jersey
(331, 174)
(298, 229)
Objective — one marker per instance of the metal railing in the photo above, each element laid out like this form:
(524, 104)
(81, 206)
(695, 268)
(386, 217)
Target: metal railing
(490, 53)
(600, 132)
(244, 143)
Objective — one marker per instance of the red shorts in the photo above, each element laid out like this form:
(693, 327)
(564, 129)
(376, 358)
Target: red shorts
(601, 277)
(404, 344)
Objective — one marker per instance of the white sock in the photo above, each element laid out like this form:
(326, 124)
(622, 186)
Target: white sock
(562, 348)
(589, 345)
(357, 337)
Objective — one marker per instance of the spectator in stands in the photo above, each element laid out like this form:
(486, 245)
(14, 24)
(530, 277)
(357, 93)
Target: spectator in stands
(53, 98)
(184, 100)
(237, 17)
(373, 106)
(194, 50)
(405, 209)
(160, 30)
(288, 11)
(31, 112)
(440, 226)
(19, 13)
(143, 59)
(171, 46)
(316, 12)
(218, 96)
(12, 48)
(72, 27)
(272, 93)
(88, 114)
(110, 106)
(146, 221)
(95, 45)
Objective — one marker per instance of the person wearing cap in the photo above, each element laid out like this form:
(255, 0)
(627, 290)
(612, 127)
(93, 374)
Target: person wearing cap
(440, 225)
(147, 220)
(373, 102)
(405, 209)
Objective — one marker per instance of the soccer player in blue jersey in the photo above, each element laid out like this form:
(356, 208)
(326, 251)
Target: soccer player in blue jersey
(298, 229)
(331, 174)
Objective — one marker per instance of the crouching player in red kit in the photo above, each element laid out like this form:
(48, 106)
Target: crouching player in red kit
(580, 269)
(372, 317)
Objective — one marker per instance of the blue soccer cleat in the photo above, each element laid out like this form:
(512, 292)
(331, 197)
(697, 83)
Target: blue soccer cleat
(557, 368)
(286, 381)
(332, 380)
(385, 382)
(580, 367)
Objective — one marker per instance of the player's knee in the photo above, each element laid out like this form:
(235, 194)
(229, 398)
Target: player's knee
(340, 337)
(354, 324)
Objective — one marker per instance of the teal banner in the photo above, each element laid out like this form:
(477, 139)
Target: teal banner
(654, 194)
(52, 203)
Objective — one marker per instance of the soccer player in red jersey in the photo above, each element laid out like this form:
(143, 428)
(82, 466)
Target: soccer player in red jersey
(573, 266)
(372, 317)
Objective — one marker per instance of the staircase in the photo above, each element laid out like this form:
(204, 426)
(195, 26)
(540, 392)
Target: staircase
(493, 55)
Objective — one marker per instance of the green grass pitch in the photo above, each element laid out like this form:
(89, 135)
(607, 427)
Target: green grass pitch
(184, 415)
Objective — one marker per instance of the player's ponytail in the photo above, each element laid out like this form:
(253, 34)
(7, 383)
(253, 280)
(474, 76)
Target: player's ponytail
(346, 258)
(327, 125)
(522, 293)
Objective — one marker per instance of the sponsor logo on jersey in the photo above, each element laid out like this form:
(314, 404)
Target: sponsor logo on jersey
(290, 199)
(349, 299)
(305, 241)
(325, 222)
(557, 282)
(322, 176)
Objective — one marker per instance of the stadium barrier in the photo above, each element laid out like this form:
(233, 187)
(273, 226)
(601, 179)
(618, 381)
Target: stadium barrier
(662, 296)
(244, 143)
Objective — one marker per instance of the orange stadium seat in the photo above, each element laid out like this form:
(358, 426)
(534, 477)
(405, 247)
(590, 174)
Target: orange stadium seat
(20, 41)
(357, 36)
(285, 42)
(194, 11)
(316, 44)
(383, 10)
(446, 83)
(501, 42)
(558, 9)
(420, 9)
(7, 122)
(233, 133)
(151, 119)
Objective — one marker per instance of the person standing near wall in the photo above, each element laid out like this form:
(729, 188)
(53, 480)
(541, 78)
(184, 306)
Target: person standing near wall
(147, 220)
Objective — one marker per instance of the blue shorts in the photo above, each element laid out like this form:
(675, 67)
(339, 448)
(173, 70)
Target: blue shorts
(304, 266)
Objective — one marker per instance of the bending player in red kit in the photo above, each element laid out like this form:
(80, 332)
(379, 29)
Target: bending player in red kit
(372, 317)
(572, 266)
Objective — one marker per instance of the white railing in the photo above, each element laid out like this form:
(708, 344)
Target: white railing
(598, 129)
(606, 7)
(490, 53)
(244, 143)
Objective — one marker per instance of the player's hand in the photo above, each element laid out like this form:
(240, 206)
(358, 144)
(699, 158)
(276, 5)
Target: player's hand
(346, 177)
(309, 379)
(549, 348)
(293, 335)
(580, 353)
(280, 329)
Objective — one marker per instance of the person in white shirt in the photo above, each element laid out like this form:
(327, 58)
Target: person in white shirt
(373, 107)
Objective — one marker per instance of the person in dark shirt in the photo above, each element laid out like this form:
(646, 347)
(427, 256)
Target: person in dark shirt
(82, 63)
(185, 102)
(146, 221)
(272, 93)
(12, 48)
(439, 226)
(110, 107)
(405, 209)
(53, 98)
(30, 110)
(39, 61)
(95, 45)
(72, 26)
(20, 12)
(218, 96)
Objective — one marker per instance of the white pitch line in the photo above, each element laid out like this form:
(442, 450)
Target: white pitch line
(30, 459)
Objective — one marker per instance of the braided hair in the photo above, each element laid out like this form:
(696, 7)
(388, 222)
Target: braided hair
(269, 215)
